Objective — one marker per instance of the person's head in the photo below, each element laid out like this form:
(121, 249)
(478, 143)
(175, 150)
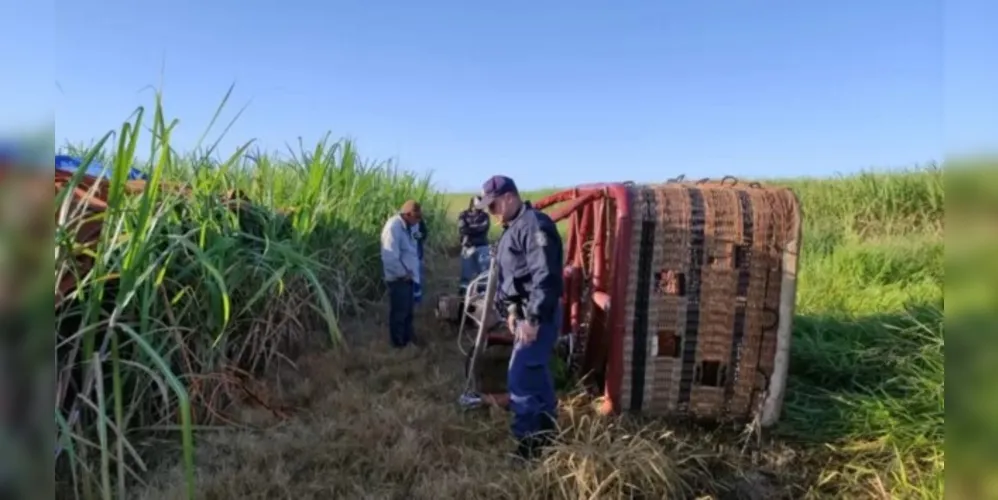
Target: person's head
(411, 212)
(473, 203)
(500, 197)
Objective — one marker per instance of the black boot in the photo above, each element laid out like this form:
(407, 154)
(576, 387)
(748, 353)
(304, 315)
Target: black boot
(526, 449)
(530, 448)
(549, 426)
(547, 433)
(526, 452)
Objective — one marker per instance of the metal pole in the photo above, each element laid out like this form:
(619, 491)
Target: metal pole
(468, 397)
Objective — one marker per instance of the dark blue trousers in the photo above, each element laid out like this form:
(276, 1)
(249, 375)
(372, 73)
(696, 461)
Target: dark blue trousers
(400, 306)
(530, 382)
(473, 262)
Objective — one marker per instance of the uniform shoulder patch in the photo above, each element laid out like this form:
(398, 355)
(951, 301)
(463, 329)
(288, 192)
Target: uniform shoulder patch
(541, 238)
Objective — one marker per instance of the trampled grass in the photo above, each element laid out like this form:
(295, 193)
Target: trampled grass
(216, 378)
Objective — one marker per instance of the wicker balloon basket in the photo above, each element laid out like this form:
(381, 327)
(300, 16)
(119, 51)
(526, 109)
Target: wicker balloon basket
(710, 300)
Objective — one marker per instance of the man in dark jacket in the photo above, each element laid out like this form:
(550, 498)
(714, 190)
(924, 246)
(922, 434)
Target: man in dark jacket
(530, 259)
(473, 225)
(419, 233)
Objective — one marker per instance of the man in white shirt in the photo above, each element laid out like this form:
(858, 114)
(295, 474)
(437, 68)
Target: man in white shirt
(400, 261)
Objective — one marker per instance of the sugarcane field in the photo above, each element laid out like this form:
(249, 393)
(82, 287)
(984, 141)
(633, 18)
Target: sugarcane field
(471, 251)
(221, 334)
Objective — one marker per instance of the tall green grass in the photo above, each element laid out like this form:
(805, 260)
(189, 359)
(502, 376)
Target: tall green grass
(867, 365)
(191, 293)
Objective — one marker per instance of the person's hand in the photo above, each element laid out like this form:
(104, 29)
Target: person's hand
(408, 276)
(527, 332)
(511, 324)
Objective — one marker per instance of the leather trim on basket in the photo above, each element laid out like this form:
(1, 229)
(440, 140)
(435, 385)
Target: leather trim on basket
(743, 261)
(642, 297)
(693, 284)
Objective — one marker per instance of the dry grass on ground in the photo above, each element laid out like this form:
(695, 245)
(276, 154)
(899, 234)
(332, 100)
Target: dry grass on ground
(375, 423)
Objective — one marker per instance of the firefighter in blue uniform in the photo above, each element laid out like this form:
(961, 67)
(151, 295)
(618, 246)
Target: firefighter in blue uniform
(530, 259)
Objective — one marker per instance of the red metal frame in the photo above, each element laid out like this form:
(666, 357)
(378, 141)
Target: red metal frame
(588, 209)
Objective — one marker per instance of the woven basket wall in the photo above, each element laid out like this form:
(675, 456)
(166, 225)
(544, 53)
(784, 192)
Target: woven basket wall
(703, 298)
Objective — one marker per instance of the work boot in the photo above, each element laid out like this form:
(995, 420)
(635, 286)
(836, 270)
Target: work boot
(549, 426)
(526, 452)
(530, 448)
(546, 434)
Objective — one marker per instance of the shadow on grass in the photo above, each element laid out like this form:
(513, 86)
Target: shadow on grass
(876, 379)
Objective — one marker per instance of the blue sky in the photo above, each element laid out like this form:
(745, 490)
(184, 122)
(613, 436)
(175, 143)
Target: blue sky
(553, 92)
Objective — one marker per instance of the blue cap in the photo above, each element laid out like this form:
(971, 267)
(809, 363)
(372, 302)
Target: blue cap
(496, 186)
